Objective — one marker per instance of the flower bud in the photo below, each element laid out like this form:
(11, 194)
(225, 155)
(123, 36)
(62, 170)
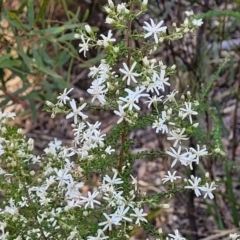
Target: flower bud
(109, 20)
(169, 111)
(144, 3)
(180, 114)
(107, 9)
(30, 144)
(85, 213)
(121, 7)
(165, 206)
(60, 104)
(76, 35)
(217, 150)
(195, 125)
(178, 30)
(153, 49)
(116, 49)
(131, 193)
(50, 104)
(196, 103)
(189, 13)
(99, 43)
(110, 3)
(186, 22)
(161, 39)
(20, 131)
(88, 29)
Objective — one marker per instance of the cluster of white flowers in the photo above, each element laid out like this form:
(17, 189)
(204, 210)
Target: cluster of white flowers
(147, 81)
(60, 183)
(58, 188)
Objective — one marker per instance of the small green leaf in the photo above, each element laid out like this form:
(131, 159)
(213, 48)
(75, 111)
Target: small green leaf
(41, 12)
(72, 48)
(49, 72)
(51, 30)
(31, 13)
(66, 37)
(62, 58)
(19, 72)
(10, 63)
(46, 58)
(33, 109)
(75, 16)
(6, 62)
(4, 58)
(55, 30)
(13, 16)
(26, 59)
(37, 58)
(85, 16)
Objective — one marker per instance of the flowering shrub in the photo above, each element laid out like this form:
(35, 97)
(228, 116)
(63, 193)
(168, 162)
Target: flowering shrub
(44, 197)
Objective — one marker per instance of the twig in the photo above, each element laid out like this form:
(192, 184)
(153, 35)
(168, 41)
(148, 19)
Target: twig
(235, 123)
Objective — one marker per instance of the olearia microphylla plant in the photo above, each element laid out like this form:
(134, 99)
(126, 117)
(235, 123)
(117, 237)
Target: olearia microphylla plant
(43, 197)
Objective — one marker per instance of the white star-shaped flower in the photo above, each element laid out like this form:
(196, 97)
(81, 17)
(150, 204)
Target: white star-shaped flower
(208, 188)
(177, 135)
(139, 215)
(187, 111)
(129, 74)
(170, 177)
(90, 200)
(176, 236)
(107, 39)
(194, 185)
(197, 22)
(154, 29)
(76, 111)
(63, 97)
(83, 46)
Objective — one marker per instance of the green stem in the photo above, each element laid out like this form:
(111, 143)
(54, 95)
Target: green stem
(231, 196)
